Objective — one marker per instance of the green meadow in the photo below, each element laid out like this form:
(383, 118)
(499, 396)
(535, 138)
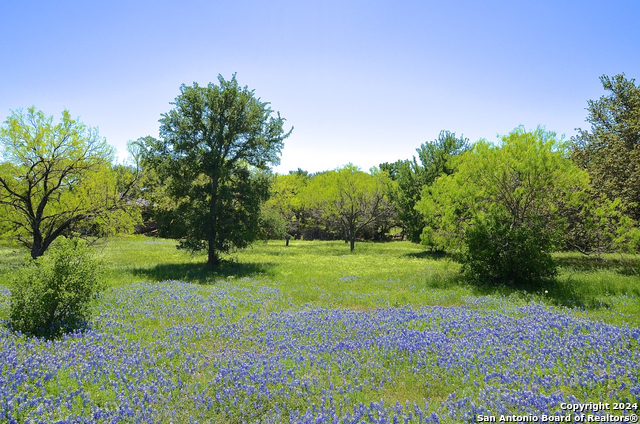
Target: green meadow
(327, 274)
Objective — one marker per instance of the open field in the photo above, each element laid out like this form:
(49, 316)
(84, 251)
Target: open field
(315, 333)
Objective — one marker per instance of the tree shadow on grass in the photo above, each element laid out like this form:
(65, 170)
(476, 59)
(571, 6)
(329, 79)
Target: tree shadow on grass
(201, 273)
(550, 291)
(426, 254)
(620, 265)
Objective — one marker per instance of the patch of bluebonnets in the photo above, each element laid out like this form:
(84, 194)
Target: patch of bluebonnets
(157, 350)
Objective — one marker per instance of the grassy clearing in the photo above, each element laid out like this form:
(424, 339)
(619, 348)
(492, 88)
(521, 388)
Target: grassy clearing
(327, 274)
(321, 273)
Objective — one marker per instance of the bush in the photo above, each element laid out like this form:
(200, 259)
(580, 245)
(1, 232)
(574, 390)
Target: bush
(52, 294)
(498, 252)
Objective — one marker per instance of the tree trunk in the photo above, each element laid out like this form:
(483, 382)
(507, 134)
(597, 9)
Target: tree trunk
(37, 250)
(40, 245)
(213, 260)
(287, 241)
(353, 243)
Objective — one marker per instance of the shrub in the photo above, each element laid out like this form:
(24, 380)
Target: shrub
(52, 294)
(498, 252)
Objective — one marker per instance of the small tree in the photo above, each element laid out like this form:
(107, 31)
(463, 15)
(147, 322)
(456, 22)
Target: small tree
(435, 160)
(52, 294)
(286, 200)
(352, 197)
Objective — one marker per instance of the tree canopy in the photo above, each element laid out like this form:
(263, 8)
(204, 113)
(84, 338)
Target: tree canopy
(56, 178)
(286, 201)
(520, 178)
(216, 145)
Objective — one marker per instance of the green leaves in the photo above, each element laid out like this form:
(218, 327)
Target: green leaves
(610, 151)
(53, 177)
(499, 253)
(286, 200)
(436, 159)
(519, 177)
(501, 206)
(354, 199)
(53, 294)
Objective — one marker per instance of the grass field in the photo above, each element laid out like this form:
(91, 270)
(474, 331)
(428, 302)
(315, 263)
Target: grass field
(315, 333)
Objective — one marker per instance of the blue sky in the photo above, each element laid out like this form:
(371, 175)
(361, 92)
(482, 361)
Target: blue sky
(361, 81)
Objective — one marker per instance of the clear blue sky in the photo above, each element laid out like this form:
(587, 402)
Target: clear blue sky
(361, 81)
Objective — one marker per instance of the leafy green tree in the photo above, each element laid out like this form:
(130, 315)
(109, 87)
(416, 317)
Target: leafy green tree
(411, 176)
(351, 197)
(217, 144)
(610, 151)
(56, 179)
(502, 205)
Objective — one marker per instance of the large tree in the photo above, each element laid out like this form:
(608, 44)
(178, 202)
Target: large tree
(610, 151)
(55, 179)
(216, 145)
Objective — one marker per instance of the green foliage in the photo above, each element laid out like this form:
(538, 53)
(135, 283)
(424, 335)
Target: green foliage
(610, 151)
(52, 294)
(350, 198)
(522, 178)
(411, 177)
(499, 253)
(436, 155)
(150, 193)
(217, 144)
(56, 179)
(514, 189)
(272, 224)
(285, 199)
(405, 193)
(593, 224)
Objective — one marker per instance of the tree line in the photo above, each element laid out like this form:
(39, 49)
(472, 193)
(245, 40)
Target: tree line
(503, 206)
